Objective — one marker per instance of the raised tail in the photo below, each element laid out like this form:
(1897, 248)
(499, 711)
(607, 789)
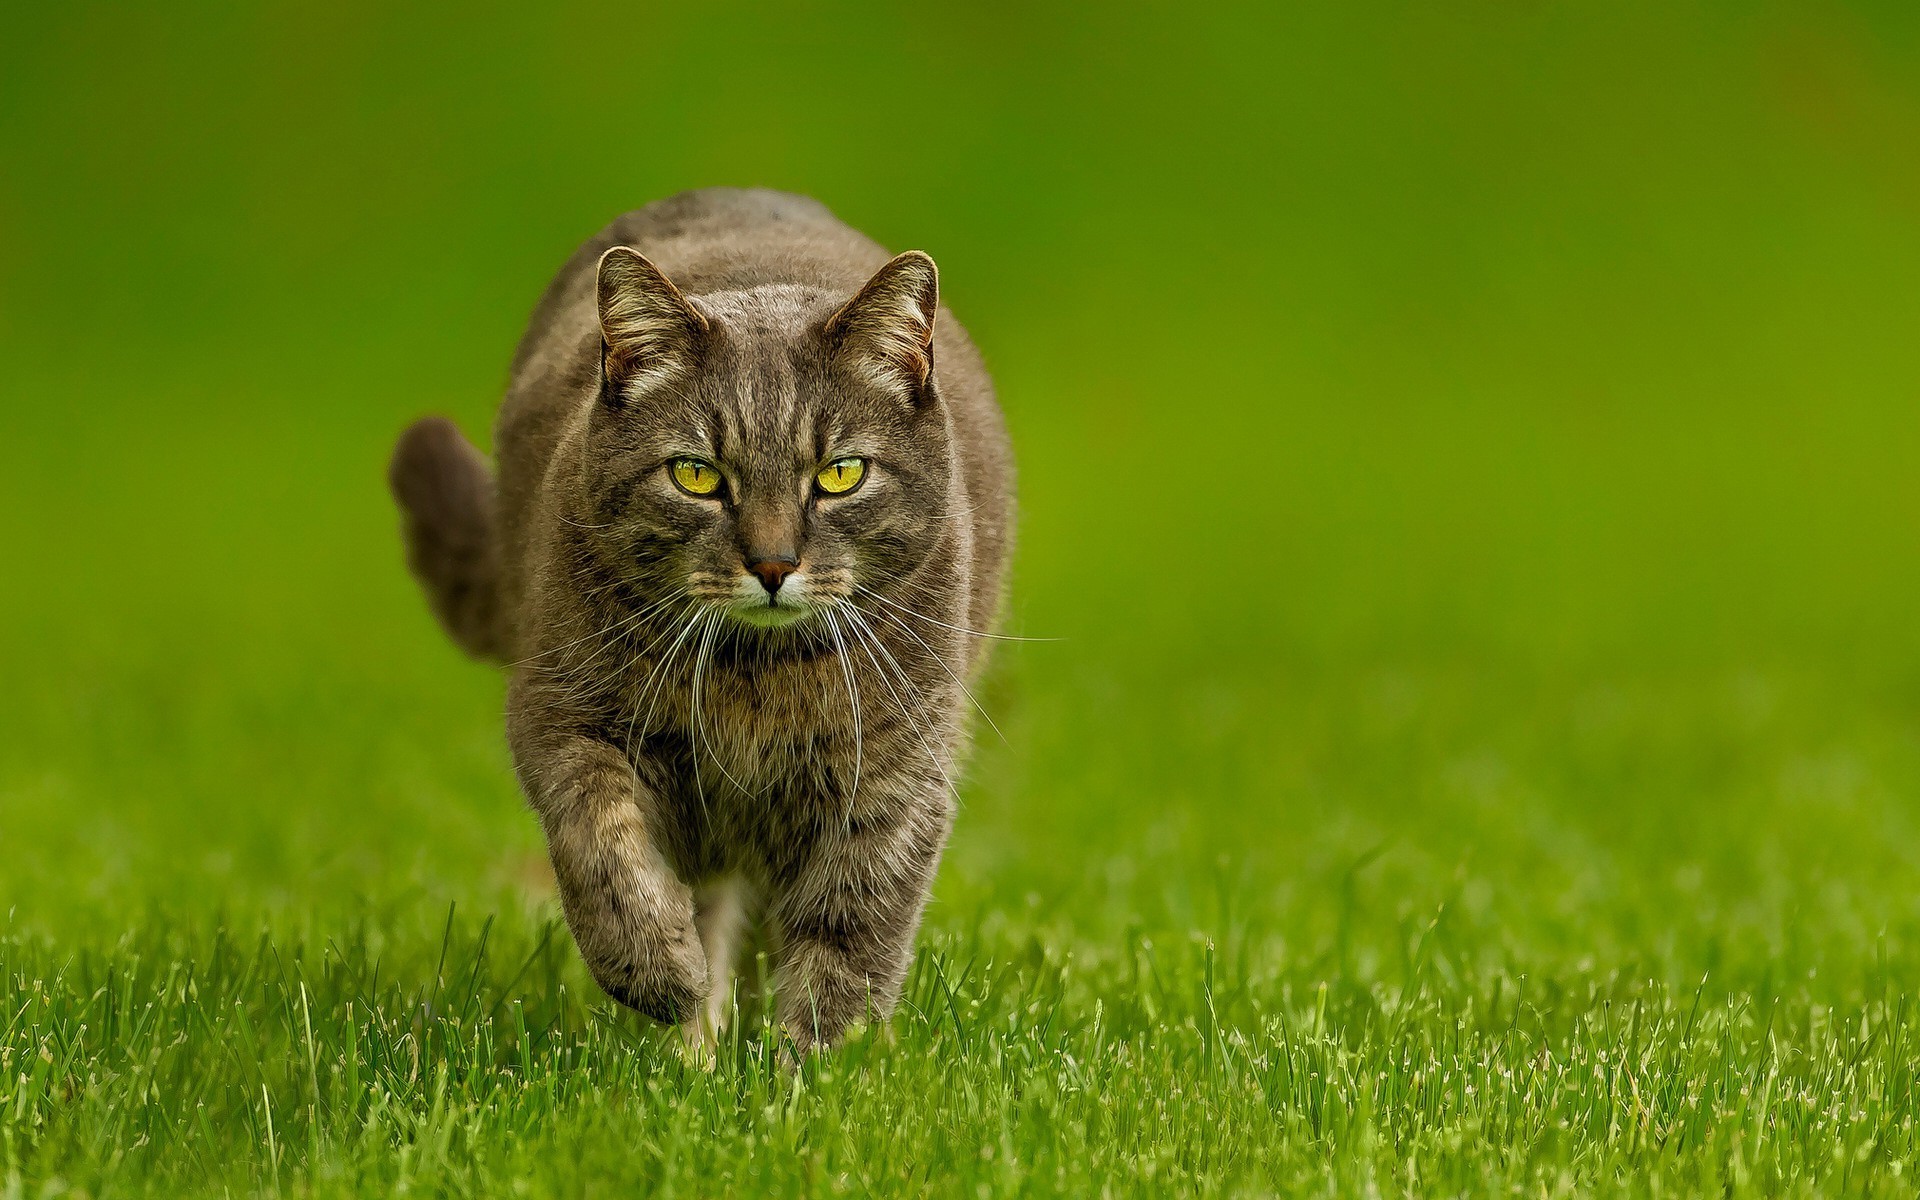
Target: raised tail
(446, 495)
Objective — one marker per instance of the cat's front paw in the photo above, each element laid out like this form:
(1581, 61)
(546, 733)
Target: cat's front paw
(664, 978)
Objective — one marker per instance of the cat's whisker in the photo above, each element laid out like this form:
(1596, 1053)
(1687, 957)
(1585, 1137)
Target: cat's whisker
(699, 732)
(586, 682)
(997, 637)
(853, 697)
(693, 724)
(869, 641)
(533, 660)
(582, 680)
(648, 684)
(668, 631)
(693, 718)
(662, 669)
(957, 681)
(916, 720)
(619, 624)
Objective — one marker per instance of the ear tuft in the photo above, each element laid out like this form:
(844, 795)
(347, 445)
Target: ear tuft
(886, 331)
(649, 330)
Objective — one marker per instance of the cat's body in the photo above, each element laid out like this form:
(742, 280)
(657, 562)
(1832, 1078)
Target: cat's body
(749, 699)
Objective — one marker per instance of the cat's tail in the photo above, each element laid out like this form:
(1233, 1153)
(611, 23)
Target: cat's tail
(446, 495)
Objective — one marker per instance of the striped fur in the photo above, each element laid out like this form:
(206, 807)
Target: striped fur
(695, 770)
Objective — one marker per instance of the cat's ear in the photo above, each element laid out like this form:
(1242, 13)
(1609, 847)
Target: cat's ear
(886, 332)
(649, 332)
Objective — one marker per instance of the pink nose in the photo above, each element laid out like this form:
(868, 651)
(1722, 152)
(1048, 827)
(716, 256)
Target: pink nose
(772, 572)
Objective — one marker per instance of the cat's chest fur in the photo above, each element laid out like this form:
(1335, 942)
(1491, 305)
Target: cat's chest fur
(762, 728)
(739, 747)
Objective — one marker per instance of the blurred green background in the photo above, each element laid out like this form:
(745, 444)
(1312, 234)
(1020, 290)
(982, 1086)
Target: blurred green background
(1508, 374)
(1407, 401)
(1468, 452)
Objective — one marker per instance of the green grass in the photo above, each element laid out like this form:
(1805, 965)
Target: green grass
(1468, 455)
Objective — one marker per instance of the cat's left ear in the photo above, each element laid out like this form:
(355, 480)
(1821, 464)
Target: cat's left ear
(886, 332)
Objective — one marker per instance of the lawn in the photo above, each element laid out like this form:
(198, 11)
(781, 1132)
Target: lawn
(1468, 464)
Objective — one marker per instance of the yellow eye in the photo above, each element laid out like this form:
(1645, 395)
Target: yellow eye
(694, 477)
(841, 476)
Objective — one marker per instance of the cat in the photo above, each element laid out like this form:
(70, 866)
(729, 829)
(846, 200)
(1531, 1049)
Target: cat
(744, 552)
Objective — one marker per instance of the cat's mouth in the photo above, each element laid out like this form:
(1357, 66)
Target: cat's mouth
(775, 612)
(762, 599)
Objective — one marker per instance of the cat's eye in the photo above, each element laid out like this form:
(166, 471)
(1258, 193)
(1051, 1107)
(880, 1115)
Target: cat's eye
(694, 477)
(841, 476)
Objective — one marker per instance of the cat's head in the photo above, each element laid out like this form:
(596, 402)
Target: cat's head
(765, 453)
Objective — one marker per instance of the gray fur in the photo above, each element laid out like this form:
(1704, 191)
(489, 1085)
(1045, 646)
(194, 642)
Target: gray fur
(690, 768)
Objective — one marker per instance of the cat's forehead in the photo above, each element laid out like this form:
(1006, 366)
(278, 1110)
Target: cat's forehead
(766, 384)
(773, 312)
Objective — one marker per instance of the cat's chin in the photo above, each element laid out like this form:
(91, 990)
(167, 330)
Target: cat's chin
(768, 616)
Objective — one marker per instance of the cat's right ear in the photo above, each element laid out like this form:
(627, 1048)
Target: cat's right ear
(649, 332)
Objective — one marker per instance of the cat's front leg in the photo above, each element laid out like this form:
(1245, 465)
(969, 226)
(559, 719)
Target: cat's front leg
(847, 910)
(630, 914)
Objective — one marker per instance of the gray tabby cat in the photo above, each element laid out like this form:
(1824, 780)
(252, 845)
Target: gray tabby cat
(752, 518)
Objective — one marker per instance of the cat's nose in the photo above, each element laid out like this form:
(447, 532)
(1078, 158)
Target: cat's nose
(772, 572)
